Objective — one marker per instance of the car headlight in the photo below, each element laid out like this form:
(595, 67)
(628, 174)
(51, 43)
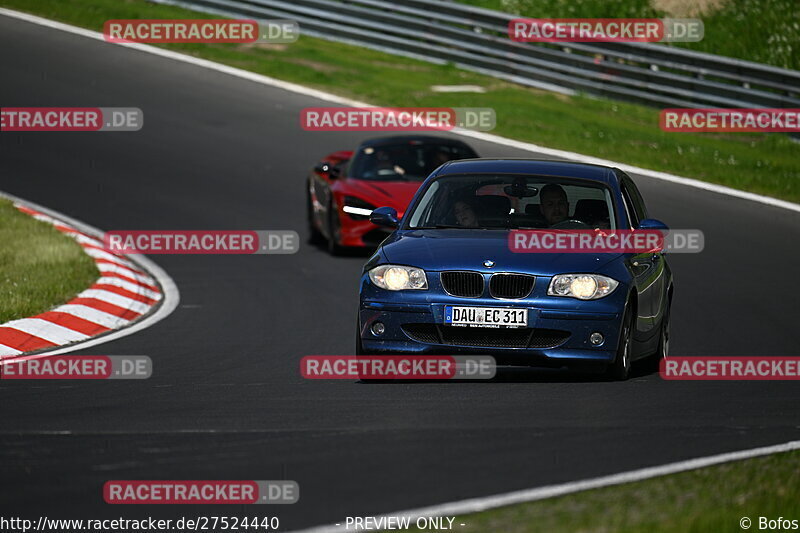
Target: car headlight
(357, 208)
(582, 286)
(398, 277)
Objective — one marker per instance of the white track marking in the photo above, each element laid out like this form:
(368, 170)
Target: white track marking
(46, 330)
(92, 315)
(321, 95)
(476, 505)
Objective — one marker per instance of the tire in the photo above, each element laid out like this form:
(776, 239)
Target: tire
(620, 369)
(314, 234)
(662, 352)
(359, 346)
(334, 248)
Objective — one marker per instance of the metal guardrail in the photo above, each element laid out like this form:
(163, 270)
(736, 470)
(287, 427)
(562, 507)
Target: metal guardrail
(476, 39)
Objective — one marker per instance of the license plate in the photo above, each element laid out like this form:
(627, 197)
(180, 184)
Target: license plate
(485, 317)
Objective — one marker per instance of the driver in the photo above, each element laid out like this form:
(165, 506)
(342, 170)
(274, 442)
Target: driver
(384, 165)
(553, 204)
(440, 157)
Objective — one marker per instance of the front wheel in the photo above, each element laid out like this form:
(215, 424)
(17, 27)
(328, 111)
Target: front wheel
(334, 231)
(359, 346)
(314, 234)
(620, 369)
(663, 343)
(662, 352)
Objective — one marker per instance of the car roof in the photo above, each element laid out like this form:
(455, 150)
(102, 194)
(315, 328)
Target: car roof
(546, 167)
(395, 139)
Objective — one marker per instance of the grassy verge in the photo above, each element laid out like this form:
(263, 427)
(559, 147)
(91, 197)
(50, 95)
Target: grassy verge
(698, 501)
(765, 31)
(761, 163)
(39, 266)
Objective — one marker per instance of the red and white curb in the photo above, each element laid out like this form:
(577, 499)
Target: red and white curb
(125, 294)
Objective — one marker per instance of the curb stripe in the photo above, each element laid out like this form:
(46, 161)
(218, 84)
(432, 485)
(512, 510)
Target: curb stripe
(28, 210)
(106, 307)
(123, 292)
(93, 315)
(108, 256)
(99, 247)
(45, 330)
(83, 239)
(132, 286)
(23, 342)
(108, 266)
(115, 299)
(116, 275)
(73, 322)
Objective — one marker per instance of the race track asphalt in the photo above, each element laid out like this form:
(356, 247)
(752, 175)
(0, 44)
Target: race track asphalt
(226, 399)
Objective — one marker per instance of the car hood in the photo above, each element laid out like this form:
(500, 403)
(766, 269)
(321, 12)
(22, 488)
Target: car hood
(463, 249)
(396, 194)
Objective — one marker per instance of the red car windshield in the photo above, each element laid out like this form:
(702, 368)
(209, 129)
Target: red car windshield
(406, 161)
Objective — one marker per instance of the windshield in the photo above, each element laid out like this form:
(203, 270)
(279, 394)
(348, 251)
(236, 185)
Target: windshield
(404, 161)
(512, 202)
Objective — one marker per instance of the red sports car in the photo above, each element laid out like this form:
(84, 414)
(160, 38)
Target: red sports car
(345, 186)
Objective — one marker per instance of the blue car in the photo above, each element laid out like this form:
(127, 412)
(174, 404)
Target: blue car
(447, 282)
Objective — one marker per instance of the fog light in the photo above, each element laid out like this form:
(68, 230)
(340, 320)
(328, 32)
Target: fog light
(378, 328)
(596, 338)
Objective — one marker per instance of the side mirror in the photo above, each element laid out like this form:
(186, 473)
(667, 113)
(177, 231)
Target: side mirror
(384, 216)
(652, 224)
(334, 172)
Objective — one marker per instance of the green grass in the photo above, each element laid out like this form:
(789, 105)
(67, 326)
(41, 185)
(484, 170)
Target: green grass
(766, 31)
(762, 163)
(707, 500)
(40, 267)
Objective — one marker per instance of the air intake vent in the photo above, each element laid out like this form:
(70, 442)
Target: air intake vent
(512, 286)
(485, 337)
(464, 284)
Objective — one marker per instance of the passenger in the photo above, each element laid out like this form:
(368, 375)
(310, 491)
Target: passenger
(465, 214)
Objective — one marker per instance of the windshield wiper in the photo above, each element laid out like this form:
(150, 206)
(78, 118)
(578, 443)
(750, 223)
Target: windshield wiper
(445, 226)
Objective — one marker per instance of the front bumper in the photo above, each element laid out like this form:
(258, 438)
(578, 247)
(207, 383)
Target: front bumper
(557, 334)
